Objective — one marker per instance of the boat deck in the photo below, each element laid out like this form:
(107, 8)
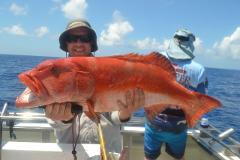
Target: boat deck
(193, 150)
(135, 141)
(202, 143)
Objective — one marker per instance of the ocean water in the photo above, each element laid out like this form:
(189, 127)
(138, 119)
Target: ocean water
(223, 85)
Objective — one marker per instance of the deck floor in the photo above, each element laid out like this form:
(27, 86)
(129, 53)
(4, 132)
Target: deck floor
(192, 152)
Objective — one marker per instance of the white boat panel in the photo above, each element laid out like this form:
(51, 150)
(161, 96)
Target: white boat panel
(33, 125)
(48, 151)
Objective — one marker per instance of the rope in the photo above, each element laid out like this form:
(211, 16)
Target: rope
(74, 141)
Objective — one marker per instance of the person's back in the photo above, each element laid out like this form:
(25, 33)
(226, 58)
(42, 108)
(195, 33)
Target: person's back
(170, 126)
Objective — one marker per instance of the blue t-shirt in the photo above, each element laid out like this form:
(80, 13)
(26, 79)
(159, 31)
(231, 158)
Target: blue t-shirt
(193, 76)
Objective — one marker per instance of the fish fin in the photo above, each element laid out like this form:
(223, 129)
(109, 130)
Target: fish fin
(90, 113)
(153, 58)
(204, 104)
(193, 112)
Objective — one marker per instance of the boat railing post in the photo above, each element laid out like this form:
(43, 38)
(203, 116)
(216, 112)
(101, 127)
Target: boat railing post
(1, 127)
(1, 138)
(226, 134)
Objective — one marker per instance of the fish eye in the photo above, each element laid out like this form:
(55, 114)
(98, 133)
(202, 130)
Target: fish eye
(55, 71)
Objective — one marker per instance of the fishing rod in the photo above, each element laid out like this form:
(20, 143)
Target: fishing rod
(96, 118)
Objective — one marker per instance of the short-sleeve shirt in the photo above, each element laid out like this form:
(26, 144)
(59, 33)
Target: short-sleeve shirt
(191, 75)
(188, 72)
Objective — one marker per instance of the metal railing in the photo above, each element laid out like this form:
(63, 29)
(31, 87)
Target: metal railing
(216, 136)
(5, 116)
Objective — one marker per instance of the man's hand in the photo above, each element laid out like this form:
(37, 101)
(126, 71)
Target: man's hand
(134, 100)
(59, 111)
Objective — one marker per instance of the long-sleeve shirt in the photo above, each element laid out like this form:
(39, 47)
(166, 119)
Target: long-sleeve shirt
(89, 132)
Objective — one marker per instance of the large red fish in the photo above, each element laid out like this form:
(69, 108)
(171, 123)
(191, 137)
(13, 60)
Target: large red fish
(101, 81)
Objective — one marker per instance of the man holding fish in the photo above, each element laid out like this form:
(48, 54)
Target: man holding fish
(105, 84)
(79, 40)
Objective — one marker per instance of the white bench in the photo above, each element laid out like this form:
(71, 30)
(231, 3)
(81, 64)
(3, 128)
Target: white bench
(33, 125)
(48, 151)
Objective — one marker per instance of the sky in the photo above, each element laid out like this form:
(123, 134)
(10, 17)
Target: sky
(30, 27)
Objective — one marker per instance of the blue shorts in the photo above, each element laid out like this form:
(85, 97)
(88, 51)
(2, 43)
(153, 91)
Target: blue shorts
(153, 140)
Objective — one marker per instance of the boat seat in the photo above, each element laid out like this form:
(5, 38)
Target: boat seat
(48, 151)
(24, 125)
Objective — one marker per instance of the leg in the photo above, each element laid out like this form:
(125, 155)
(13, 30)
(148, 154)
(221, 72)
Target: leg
(176, 144)
(152, 143)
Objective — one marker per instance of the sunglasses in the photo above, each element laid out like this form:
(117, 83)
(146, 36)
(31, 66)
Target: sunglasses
(75, 38)
(181, 38)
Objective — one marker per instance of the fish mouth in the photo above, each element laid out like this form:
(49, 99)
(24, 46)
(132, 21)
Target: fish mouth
(34, 92)
(31, 82)
(27, 99)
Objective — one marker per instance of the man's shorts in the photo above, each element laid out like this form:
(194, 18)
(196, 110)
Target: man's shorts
(153, 140)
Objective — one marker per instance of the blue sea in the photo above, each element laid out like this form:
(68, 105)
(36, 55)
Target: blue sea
(223, 85)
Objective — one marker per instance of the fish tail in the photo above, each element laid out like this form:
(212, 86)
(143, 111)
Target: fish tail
(203, 104)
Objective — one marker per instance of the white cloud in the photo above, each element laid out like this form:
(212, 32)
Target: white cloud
(53, 9)
(15, 30)
(199, 49)
(18, 10)
(57, 6)
(74, 9)
(154, 44)
(116, 30)
(198, 43)
(229, 46)
(151, 44)
(41, 31)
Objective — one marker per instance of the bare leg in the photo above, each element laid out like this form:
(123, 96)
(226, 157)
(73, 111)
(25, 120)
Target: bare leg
(148, 159)
(180, 158)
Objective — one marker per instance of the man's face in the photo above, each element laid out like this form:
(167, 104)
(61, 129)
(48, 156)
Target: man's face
(79, 42)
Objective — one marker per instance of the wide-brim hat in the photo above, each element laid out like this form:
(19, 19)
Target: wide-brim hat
(181, 45)
(76, 24)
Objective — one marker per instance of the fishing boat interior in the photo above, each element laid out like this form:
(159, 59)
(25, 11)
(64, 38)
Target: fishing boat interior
(27, 136)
